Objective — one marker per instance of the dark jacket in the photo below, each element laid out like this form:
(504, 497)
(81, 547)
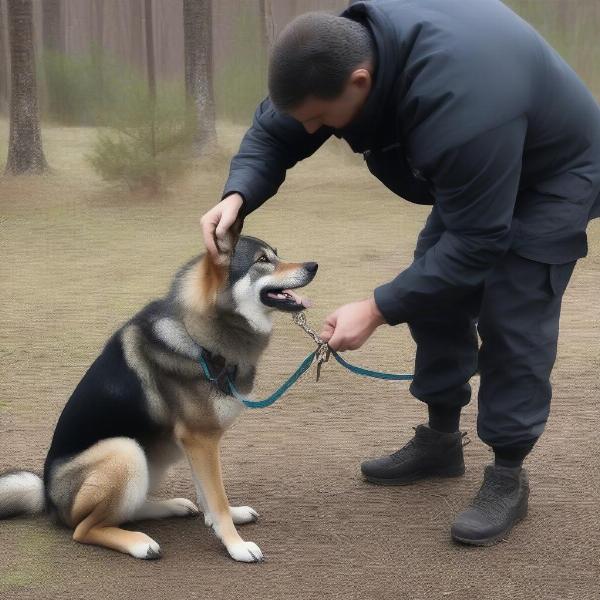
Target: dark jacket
(471, 110)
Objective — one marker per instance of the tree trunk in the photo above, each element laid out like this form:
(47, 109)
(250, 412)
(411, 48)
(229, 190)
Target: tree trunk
(137, 48)
(25, 152)
(150, 48)
(153, 183)
(97, 18)
(197, 28)
(3, 62)
(268, 26)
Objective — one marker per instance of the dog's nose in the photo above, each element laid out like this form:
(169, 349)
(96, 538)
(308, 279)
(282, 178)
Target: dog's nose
(311, 267)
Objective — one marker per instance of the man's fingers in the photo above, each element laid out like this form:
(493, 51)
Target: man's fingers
(226, 221)
(208, 233)
(327, 332)
(335, 341)
(328, 327)
(218, 220)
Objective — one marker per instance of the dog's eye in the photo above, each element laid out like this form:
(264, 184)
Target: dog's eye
(263, 258)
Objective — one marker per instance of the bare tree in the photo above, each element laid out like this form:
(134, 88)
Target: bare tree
(3, 62)
(197, 28)
(150, 62)
(25, 152)
(149, 24)
(97, 19)
(268, 25)
(137, 30)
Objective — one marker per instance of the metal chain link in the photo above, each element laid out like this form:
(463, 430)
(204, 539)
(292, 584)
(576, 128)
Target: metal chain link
(323, 350)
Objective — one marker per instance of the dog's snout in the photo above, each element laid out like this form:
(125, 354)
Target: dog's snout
(311, 267)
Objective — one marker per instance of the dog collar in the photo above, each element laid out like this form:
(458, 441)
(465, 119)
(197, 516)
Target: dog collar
(218, 371)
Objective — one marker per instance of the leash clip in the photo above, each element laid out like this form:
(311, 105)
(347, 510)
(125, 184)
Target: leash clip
(321, 356)
(323, 350)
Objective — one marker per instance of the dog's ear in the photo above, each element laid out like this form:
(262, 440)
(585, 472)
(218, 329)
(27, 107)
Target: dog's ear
(227, 244)
(211, 274)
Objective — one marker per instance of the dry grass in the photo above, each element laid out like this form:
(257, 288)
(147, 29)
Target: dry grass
(78, 257)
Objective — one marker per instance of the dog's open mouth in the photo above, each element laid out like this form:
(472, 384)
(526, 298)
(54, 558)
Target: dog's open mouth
(282, 299)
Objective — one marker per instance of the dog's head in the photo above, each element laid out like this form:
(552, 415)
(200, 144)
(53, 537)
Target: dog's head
(248, 277)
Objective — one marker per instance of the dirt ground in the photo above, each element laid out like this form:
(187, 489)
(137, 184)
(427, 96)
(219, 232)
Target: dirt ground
(79, 257)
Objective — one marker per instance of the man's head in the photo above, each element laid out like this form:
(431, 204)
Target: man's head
(320, 70)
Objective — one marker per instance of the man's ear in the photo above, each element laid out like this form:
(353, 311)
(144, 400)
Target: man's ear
(227, 244)
(361, 78)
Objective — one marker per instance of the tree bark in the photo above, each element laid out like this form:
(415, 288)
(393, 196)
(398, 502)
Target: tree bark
(137, 47)
(197, 28)
(150, 48)
(153, 183)
(4, 81)
(97, 18)
(268, 26)
(25, 152)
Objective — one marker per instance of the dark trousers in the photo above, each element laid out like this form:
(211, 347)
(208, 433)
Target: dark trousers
(516, 313)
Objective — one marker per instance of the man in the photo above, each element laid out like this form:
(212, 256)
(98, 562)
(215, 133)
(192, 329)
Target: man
(461, 105)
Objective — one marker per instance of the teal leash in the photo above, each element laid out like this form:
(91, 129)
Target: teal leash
(369, 373)
(275, 395)
(321, 355)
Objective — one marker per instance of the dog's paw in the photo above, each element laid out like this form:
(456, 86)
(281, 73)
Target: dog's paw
(182, 507)
(147, 550)
(245, 552)
(239, 515)
(243, 514)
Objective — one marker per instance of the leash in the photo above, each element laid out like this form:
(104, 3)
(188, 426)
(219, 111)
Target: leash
(323, 351)
(320, 356)
(274, 396)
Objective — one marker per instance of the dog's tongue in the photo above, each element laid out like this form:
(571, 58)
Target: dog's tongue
(298, 299)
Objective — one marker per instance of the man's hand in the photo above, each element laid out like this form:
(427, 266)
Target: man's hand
(351, 325)
(218, 220)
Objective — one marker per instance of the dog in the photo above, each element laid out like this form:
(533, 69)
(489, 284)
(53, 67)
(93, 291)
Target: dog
(145, 403)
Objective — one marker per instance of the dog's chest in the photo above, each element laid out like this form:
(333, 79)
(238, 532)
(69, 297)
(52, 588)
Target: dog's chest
(202, 404)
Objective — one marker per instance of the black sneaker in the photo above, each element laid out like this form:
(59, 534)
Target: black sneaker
(500, 503)
(430, 453)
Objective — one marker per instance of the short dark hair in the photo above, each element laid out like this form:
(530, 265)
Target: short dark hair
(314, 56)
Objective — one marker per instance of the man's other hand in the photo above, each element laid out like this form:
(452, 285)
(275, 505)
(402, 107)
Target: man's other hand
(351, 325)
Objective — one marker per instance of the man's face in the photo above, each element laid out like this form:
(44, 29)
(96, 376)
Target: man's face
(337, 112)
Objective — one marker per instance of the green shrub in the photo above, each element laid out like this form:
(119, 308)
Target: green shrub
(143, 144)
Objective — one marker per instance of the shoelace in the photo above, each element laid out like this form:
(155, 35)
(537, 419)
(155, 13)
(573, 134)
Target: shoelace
(411, 444)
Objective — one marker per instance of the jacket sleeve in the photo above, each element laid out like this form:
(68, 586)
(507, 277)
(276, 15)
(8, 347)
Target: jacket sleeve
(475, 188)
(274, 143)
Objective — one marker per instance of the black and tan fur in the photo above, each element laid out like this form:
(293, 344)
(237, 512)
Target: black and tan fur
(145, 404)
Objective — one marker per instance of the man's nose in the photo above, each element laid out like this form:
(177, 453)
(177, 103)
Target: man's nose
(311, 127)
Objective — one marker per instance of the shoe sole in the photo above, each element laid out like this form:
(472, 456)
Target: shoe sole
(440, 474)
(493, 540)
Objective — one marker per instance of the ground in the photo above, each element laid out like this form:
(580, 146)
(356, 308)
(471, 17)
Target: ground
(79, 257)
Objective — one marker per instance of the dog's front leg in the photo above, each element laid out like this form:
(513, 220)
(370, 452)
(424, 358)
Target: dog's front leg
(202, 450)
(239, 514)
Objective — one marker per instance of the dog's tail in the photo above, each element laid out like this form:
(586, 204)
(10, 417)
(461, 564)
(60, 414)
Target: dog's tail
(21, 492)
